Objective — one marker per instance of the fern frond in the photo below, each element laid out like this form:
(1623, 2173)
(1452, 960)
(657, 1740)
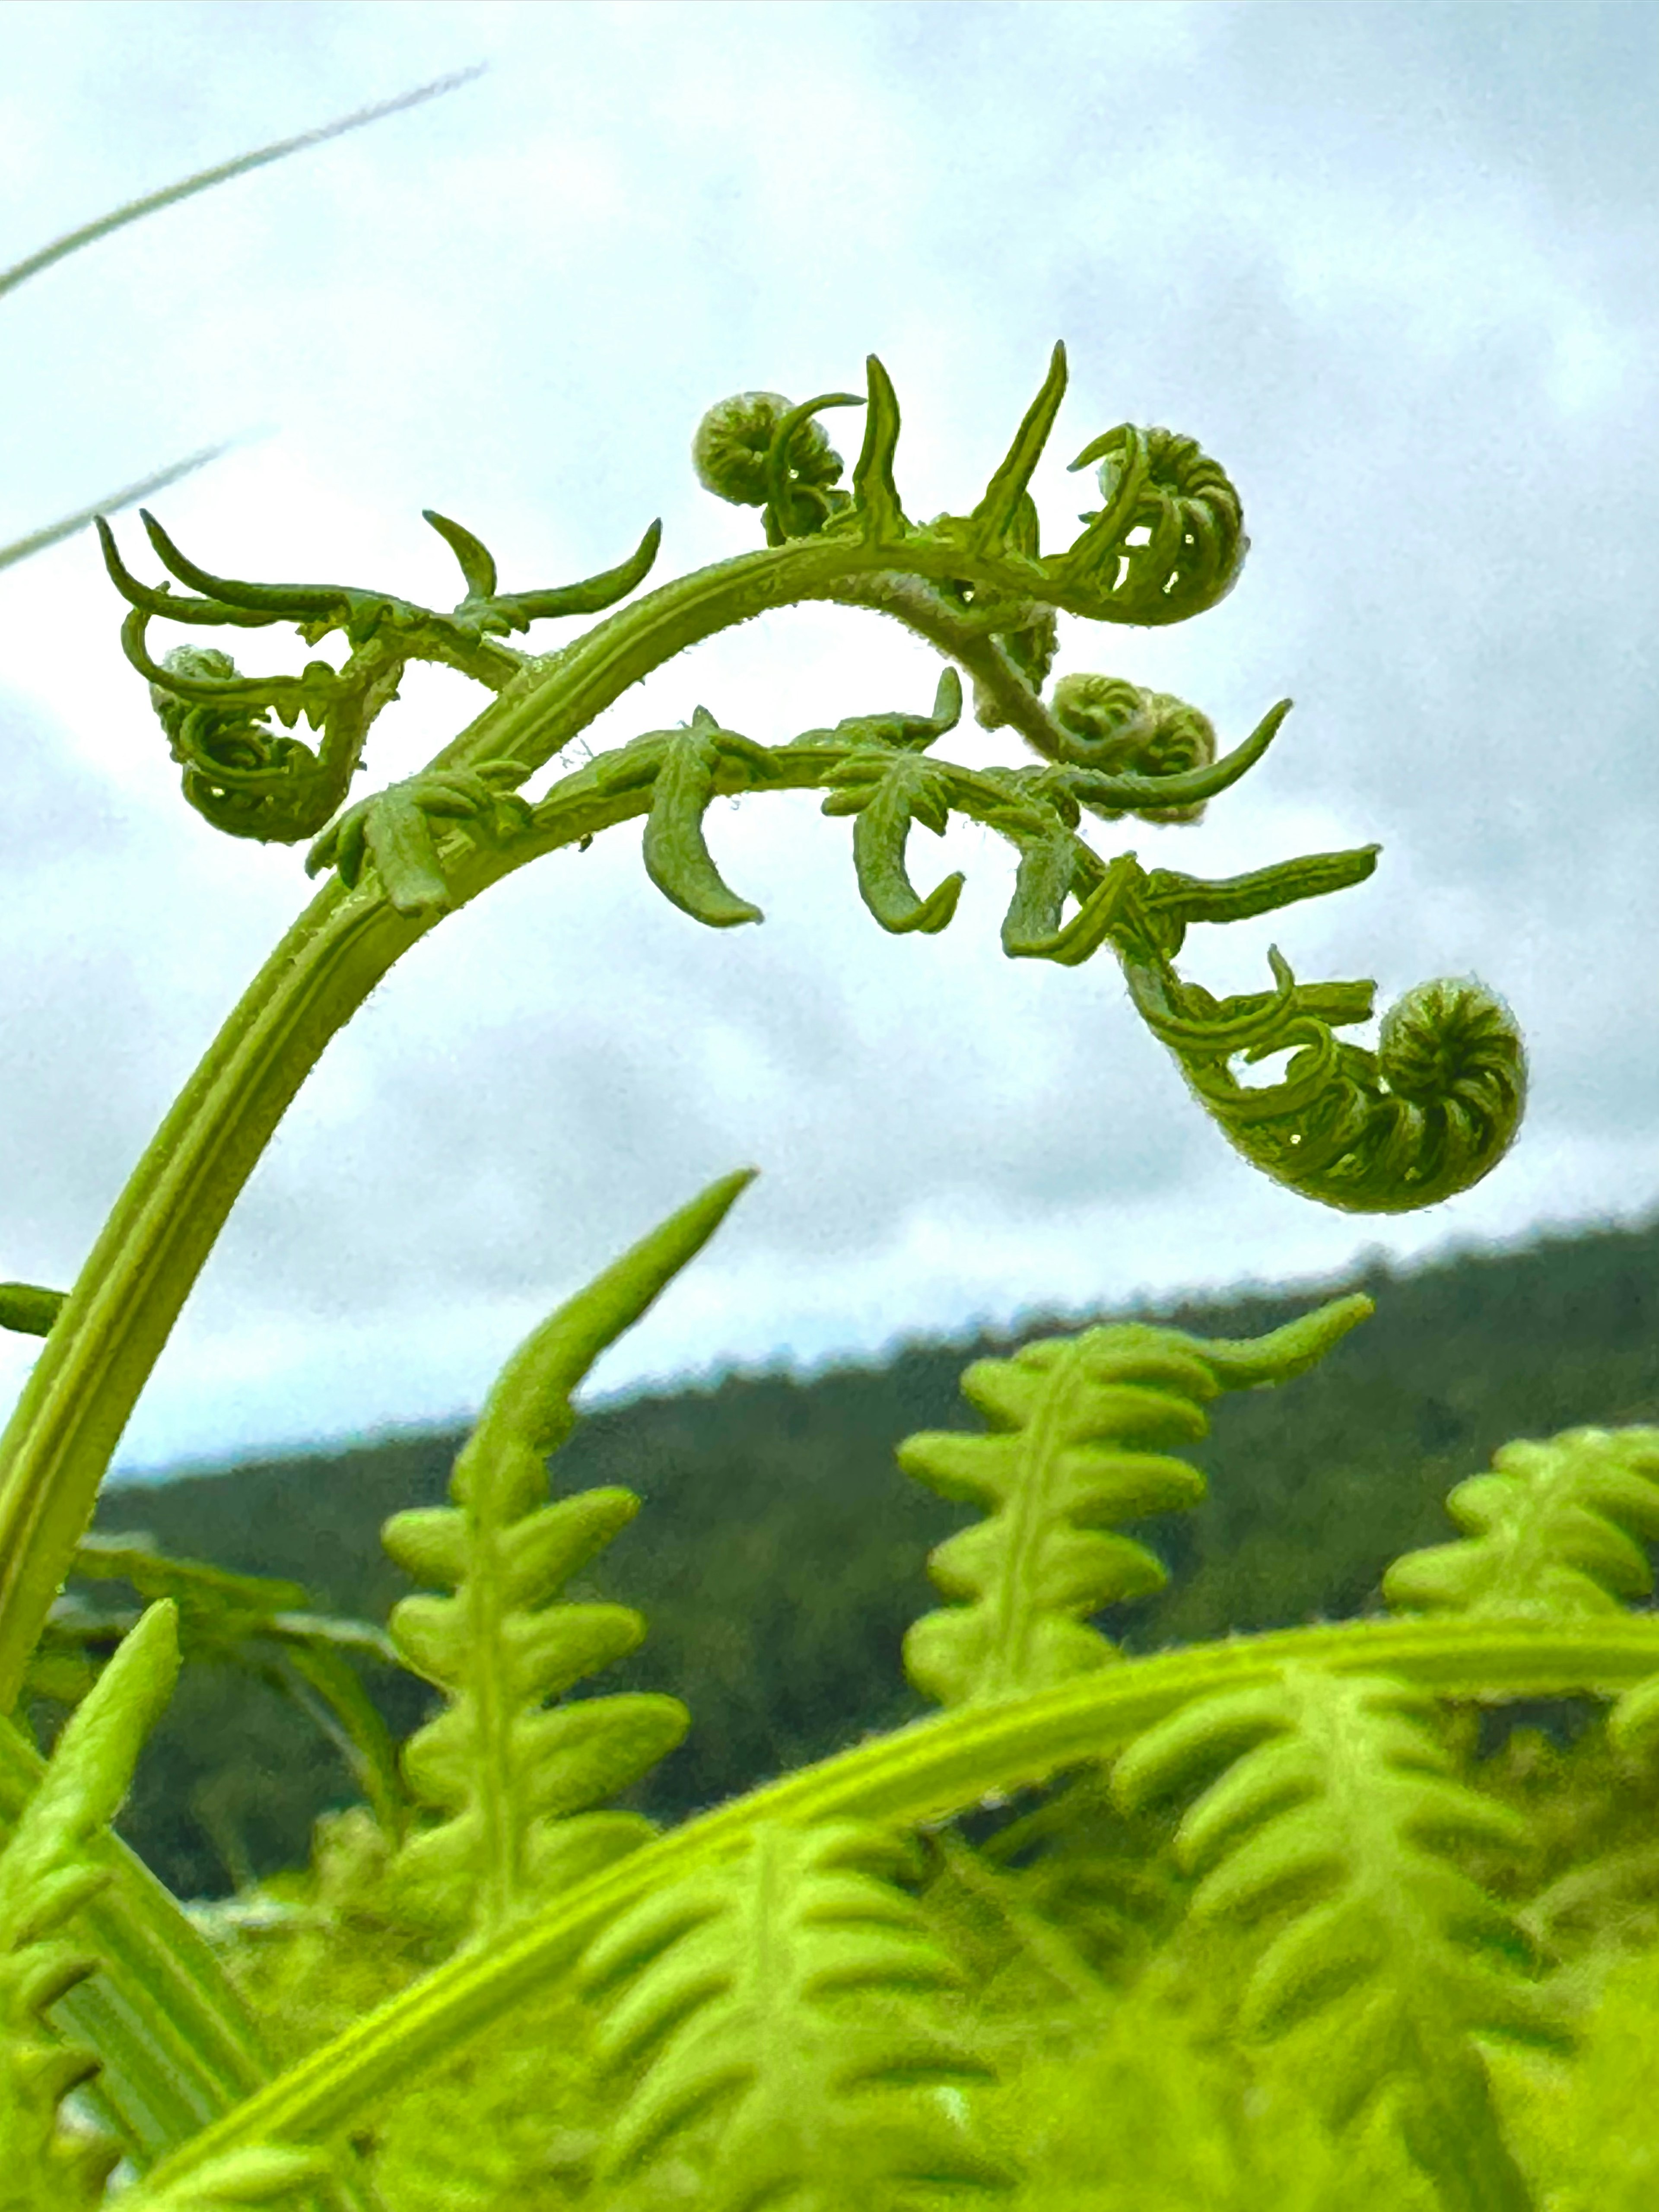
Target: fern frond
(44, 1880)
(1073, 1417)
(1336, 1816)
(1427, 1114)
(1556, 1528)
(785, 2002)
(515, 1777)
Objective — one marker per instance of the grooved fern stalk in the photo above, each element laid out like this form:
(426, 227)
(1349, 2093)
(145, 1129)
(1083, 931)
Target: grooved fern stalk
(772, 2006)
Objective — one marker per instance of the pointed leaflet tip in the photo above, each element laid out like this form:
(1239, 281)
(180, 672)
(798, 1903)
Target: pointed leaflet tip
(594, 593)
(477, 564)
(875, 495)
(92, 1762)
(989, 522)
(530, 1402)
(1247, 1363)
(291, 601)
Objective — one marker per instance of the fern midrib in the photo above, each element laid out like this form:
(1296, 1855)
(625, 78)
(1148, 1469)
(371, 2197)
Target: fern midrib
(492, 1705)
(1016, 1607)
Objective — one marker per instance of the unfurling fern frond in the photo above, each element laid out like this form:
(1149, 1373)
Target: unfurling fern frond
(44, 1880)
(516, 1776)
(1555, 1528)
(1073, 1418)
(784, 2006)
(1336, 1816)
(1427, 1115)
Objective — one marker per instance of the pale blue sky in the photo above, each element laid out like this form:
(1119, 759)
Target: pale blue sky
(1394, 266)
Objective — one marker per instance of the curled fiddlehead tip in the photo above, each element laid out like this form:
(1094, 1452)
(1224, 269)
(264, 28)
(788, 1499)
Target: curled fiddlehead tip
(757, 449)
(1170, 540)
(735, 439)
(1116, 727)
(1427, 1115)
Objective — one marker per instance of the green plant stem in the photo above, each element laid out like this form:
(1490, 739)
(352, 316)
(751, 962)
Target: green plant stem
(80, 1392)
(925, 1772)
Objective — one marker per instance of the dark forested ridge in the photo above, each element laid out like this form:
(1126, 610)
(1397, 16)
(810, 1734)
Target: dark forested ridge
(779, 1554)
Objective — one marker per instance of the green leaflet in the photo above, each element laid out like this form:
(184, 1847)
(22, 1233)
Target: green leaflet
(1556, 1528)
(677, 856)
(28, 1308)
(788, 1998)
(514, 1776)
(885, 793)
(44, 1880)
(1072, 1420)
(1334, 1823)
(394, 829)
(876, 506)
(1002, 515)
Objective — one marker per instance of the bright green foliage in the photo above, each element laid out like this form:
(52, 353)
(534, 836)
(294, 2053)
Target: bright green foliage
(1557, 1527)
(774, 1998)
(45, 1880)
(1073, 1420)
(1382, 1133)
(1337, 1817)
(791, 1995)
(517, 1777)
(394, 830)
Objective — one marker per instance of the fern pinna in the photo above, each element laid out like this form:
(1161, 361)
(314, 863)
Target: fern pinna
(1074, 1420)
(515, 1778)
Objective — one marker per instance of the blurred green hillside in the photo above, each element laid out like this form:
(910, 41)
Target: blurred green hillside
(779, 1554)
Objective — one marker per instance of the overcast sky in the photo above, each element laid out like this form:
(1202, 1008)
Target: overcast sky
(1397, 268)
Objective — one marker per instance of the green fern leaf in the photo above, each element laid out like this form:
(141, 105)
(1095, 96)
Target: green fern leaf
(785, 2005)
(886, 792)
(1072, 1418)
(515, 1779)
(44, 1880)
(677, 856)
(1557, 1527)
(1335, 1817)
